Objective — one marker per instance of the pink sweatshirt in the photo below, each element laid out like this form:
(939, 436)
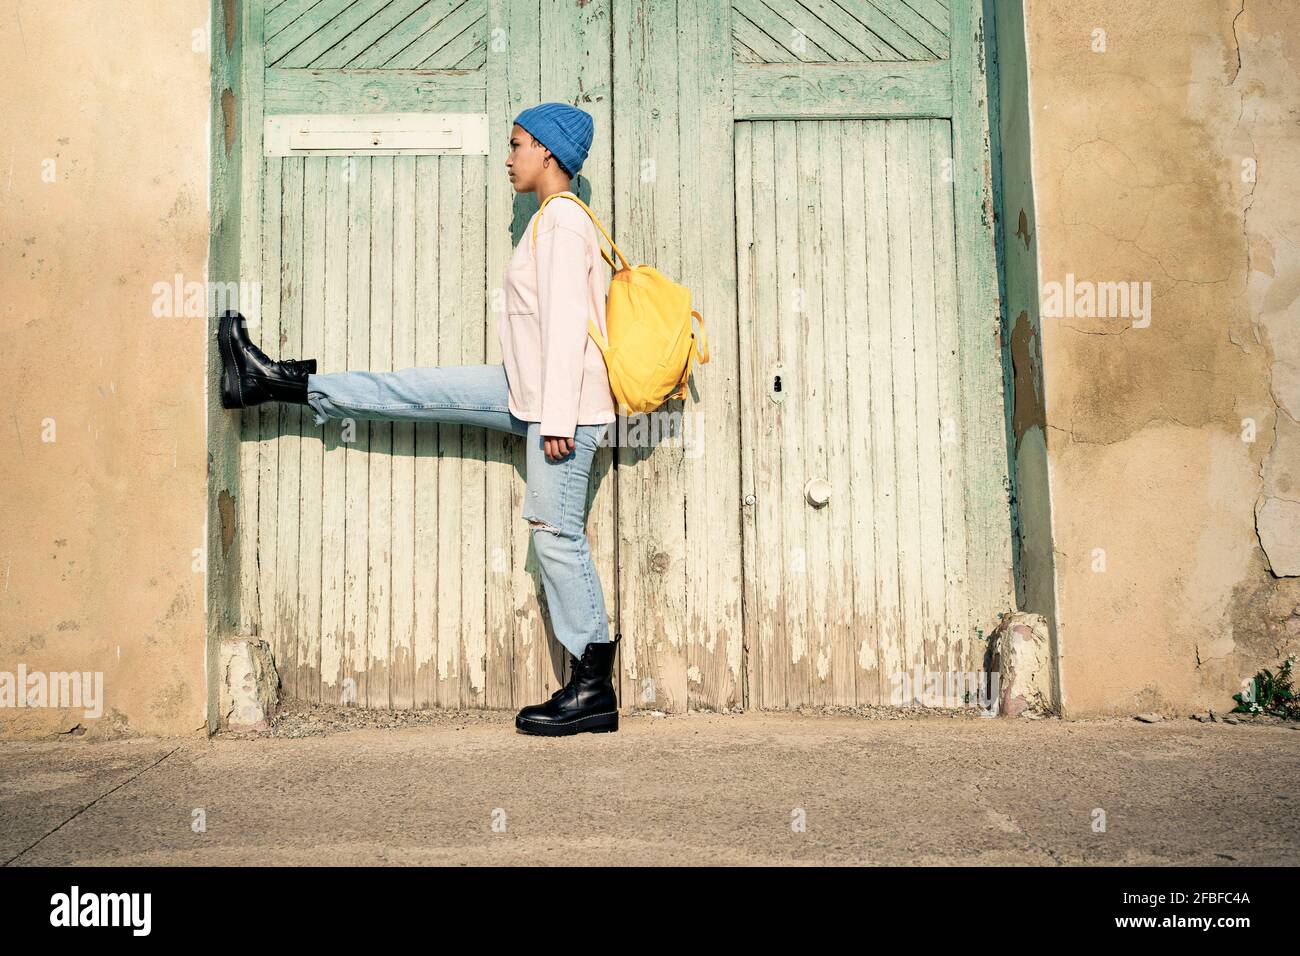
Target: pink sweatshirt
(555, 372)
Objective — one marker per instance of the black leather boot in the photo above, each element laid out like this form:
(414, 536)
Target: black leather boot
(586, 704)
(249, 376)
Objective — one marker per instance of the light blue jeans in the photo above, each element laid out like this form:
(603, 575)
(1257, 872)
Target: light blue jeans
(556, 490)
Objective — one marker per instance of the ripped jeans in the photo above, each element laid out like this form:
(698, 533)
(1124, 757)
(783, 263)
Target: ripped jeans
(556, 490)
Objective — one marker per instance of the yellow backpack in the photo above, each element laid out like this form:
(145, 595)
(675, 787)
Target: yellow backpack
(652, 342)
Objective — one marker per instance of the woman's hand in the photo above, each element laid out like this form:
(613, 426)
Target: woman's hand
(557, 448)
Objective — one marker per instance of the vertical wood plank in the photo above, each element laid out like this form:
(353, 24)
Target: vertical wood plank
(932, 622)
(812, 409)
(254, 265)
(402, 680)
(651, 549)
(314, 318)
(860, 453)
(769, 441)
(792, 333)
(451, 490)
(470, 314)
(333, 659)
(880, 335)
(898, 175)
(755, 616)
(427, 570)
(713, 509)
(989, 559)
(840, 310)
(356, 558)
(267, 337)
(380, 473)
(957, 633)
(285, 602)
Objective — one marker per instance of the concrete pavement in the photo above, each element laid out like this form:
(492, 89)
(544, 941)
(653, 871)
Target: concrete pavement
(757, 788)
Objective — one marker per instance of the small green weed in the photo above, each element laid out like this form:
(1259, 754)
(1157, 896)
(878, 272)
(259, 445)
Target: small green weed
(1271, 694)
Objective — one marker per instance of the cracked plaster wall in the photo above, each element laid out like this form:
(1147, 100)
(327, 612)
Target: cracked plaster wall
(1173, 451)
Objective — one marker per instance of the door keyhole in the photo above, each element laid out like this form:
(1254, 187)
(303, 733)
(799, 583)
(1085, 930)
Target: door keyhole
(777, 390)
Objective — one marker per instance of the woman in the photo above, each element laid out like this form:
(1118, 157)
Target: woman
(551, 388)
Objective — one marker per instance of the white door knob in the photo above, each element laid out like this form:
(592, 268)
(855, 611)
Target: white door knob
(817, 491)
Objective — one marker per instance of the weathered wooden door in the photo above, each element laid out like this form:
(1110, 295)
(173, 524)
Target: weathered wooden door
(816, 173)
(876, 521)
(387, 564)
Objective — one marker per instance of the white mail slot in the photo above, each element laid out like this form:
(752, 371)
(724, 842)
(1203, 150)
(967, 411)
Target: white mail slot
(376, 134)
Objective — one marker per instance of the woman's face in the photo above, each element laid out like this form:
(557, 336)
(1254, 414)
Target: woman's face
(524, 160)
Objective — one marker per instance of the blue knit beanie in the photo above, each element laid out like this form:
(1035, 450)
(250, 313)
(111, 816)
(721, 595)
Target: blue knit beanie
(563, 129)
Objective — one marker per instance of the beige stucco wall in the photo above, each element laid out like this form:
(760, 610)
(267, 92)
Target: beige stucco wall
(110, 102)
(1138, 159)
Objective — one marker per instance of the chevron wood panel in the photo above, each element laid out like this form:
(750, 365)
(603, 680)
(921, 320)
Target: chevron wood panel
(845, 31)
(377, 34)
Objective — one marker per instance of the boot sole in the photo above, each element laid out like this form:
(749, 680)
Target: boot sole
(604, 723)
(232, 395)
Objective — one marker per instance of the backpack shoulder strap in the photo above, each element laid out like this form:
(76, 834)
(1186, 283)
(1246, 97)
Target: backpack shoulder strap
(599, 225)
